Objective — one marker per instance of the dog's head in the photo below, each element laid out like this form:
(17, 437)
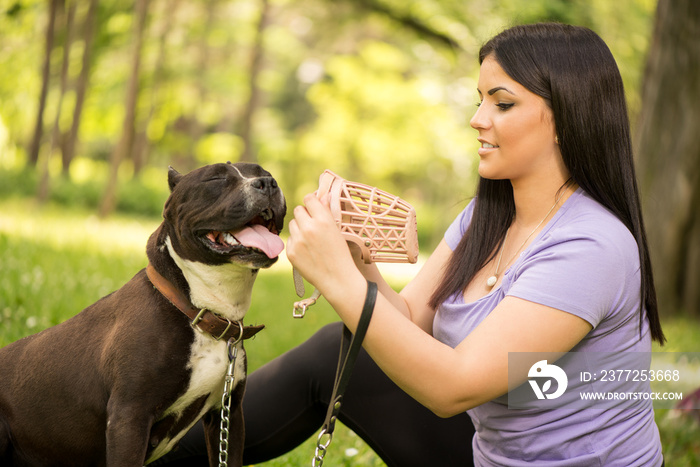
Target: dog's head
(225, 213)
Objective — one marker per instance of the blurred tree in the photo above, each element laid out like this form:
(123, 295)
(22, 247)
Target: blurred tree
(253, 104)
(204, 57)
(35, 144)
(409, 21)
(44, 182)
(81, 85)
(378, 90)
(126, 140)
(141, 145)
(668, 147)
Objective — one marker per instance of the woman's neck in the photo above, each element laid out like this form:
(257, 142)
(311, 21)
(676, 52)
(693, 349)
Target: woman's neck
(535, 200)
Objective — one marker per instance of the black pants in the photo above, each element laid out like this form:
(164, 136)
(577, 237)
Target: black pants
(286, 401)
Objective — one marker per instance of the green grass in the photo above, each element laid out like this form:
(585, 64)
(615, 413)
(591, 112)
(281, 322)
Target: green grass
(56, 261)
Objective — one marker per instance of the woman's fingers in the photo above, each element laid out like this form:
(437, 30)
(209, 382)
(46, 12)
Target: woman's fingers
(316, 247)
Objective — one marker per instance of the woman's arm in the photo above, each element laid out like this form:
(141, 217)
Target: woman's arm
(412, 302)
(447, 381)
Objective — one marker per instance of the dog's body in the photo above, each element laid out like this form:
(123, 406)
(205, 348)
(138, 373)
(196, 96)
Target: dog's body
(121, 382)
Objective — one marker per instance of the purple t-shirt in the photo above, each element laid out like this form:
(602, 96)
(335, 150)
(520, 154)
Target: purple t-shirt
(584, 262)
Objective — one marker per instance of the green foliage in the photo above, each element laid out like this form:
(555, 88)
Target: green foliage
(17, 182)
(684, 332)
(368, 89)
(679, 438)
(137, 198)
(381, 121)
(143, 195)
(84, 195)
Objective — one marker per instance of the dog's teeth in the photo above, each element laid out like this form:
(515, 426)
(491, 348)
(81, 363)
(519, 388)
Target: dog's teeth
(230, 239)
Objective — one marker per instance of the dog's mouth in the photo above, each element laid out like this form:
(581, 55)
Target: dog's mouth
(259, 235)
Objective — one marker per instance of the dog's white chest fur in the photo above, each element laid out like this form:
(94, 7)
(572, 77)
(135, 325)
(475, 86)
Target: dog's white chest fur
(225, 290)
(208, 362)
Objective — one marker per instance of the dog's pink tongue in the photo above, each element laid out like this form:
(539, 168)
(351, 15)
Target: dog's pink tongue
(257, 236)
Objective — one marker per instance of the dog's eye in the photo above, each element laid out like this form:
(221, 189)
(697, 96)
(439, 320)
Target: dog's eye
(216, 179)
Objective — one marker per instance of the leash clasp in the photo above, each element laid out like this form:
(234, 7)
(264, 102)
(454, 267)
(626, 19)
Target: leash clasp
(301, 306)
(296, 313)
(230, 372)
(229, 381)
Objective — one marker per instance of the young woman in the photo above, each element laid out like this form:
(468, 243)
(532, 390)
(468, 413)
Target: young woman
(550, 256)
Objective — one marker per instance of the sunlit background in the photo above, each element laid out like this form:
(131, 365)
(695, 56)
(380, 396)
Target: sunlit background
(379, 91)
(99, 97)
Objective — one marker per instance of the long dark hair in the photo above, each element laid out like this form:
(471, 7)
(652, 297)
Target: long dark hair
(573, 70)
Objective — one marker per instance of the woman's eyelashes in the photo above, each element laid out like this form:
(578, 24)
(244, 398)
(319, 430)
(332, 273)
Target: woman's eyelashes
(501, 105)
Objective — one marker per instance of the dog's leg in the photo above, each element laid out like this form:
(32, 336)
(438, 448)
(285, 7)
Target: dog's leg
(212, 429)
(128, 427)
(5, 443)
(211, 422)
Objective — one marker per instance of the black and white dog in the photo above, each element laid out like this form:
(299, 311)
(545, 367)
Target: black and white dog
(121, 382)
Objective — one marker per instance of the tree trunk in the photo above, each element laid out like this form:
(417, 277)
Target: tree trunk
(141, 145)
(45, 181)
(196, 128)
(45, 79)
(251, 108)
(126, 141)
(81, 85)
(668, 147)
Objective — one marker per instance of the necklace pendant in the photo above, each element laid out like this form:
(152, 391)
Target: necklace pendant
(491, 281)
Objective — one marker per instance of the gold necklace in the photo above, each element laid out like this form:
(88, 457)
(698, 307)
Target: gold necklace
(491, 281)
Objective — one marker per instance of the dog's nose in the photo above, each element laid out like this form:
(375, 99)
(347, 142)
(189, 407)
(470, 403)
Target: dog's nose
(266, 185)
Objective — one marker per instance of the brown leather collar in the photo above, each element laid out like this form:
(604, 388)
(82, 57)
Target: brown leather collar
(203, 320)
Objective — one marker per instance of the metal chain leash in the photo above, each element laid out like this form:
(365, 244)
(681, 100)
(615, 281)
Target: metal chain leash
(229, 381)
(321, 448)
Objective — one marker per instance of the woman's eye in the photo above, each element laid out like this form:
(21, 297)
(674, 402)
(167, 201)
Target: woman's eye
(500, 105)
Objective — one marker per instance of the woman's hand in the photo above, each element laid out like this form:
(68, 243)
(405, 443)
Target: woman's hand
(316, 247)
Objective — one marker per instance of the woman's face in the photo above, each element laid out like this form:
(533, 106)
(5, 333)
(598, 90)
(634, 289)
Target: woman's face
(516, 128)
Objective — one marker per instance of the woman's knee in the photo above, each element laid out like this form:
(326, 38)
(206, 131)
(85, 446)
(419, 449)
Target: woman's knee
(313, 361)
(327, 338)
(318, 355)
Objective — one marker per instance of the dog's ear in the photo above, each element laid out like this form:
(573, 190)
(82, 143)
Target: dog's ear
(173, 177)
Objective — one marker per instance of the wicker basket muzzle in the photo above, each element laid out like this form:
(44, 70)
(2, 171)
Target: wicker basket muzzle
(381, 224)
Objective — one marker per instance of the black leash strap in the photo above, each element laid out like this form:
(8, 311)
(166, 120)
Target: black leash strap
(349, 349)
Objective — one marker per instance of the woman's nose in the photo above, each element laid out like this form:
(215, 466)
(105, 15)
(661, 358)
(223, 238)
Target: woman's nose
(479, 120)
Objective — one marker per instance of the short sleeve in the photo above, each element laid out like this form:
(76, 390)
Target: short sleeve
(459, 226)
(587, 274)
